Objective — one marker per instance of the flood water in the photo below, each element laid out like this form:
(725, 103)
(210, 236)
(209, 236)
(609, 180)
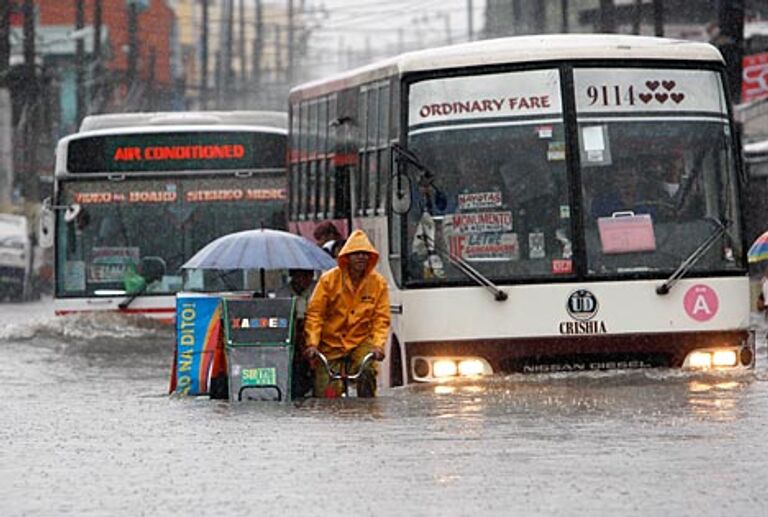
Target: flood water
(87, 429)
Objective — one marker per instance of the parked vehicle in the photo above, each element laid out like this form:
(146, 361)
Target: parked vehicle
(15, 257)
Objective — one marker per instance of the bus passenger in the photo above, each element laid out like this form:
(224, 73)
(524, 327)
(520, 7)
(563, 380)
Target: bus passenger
(326, 231)
(430, 198)
(333, 248)
(680, 195)
(624, 194)
(763, 294)
(348, 317)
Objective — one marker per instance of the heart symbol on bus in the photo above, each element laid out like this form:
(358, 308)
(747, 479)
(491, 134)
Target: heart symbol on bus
(652, 85)
(677, 97)
(662, 97)
(668, 85)
(645, 97)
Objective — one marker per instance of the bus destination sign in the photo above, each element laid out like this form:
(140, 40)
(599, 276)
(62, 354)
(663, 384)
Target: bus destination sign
(181, 151)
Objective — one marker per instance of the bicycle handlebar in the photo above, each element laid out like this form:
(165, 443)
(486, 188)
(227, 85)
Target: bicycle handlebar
(343, 376)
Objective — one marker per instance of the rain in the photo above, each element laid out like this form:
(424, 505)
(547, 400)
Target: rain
(89, 422)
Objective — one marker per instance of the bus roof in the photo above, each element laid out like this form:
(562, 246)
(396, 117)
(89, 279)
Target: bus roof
(518, 49)
(275, 119)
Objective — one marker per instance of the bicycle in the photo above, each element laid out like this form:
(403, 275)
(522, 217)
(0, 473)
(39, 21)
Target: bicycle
(344, 376)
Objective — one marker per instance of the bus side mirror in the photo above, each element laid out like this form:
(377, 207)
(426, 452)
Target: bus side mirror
(400, 186)
(71, 212)
(401, 193)
(45, 225)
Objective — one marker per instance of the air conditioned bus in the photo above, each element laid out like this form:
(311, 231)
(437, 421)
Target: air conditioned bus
(541, 204)
(140, 193)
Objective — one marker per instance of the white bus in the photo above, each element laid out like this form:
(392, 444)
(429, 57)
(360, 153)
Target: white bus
(142, 192)
(541, 204)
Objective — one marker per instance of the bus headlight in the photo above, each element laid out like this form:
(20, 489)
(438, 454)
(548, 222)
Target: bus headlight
(433, 368)
(724, 358)
(469, 367)
(712, 358)
(699, 360)
(444, 368)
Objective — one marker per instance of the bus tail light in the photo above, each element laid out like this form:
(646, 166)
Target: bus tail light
(427, 369)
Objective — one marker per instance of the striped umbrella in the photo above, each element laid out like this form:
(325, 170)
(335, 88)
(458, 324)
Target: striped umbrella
(759, 249)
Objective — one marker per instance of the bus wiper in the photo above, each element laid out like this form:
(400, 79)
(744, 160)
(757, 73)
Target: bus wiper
(469, 271)
(125, 303)
(694, 257)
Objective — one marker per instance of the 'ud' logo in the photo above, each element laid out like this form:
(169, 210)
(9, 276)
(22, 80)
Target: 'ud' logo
(582, 304)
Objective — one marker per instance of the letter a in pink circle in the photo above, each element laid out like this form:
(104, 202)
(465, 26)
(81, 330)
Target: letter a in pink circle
(701, 302)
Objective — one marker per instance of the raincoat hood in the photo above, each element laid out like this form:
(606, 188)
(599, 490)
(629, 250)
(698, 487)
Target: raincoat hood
(358, 241)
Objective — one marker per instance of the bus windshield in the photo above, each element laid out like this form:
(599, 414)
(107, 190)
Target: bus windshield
(654, 163)
(658, 174)
(164, 220)
(499, 197)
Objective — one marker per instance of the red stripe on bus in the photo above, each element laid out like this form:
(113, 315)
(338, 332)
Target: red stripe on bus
(345, 159)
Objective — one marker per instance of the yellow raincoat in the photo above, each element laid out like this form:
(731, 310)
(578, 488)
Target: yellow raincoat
(340, 318)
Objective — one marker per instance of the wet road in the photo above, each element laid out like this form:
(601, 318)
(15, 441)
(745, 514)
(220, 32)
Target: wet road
(86, 429)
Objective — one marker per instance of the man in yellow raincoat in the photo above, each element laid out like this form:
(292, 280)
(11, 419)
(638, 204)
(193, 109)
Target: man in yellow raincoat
(348, 316)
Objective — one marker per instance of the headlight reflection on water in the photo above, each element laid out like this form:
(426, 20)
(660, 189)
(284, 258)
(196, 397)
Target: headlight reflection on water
(714, 399)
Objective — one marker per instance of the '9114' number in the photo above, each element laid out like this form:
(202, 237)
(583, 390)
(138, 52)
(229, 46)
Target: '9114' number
(614, 95)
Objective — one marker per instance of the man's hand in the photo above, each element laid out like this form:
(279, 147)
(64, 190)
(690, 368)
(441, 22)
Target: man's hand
(310, 352)
(378, 354)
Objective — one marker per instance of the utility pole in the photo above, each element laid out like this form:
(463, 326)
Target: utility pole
(29, 41)
(289, 71)
(241, 52)
(658, 18)
(29, 170)
(637, 16)
(607, 17)
(229, 72)
(470, 24)
(564, 25)
(97, 31)
(5, 41)
(98, 86)
(6, 118)
(731, 43)
(204, 58)
(278, 53)
(218, 74)
(151, 80)
(133, 44)
(258, 45)
(79, 61)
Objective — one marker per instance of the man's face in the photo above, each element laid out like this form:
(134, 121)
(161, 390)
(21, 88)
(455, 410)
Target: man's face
(302, 279)
(627, 185)
(358, 262)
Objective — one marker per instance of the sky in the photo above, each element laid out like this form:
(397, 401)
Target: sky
(350, 32)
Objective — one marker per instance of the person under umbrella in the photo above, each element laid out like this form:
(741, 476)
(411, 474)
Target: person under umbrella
(299, 287)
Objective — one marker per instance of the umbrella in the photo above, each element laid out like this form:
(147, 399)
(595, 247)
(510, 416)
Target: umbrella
(759, 249)
(261, 249)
